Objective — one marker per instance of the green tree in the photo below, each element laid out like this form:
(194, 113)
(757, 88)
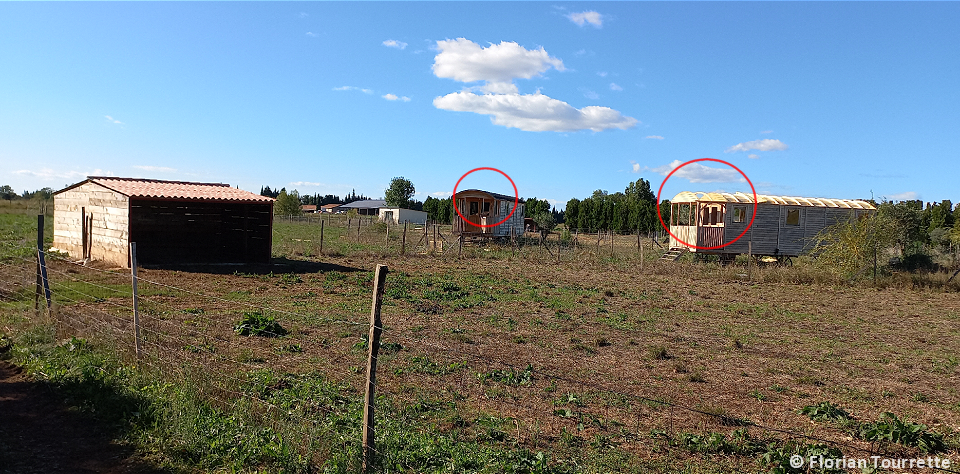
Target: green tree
(7, 192)
(288, 204)
(400, 192)
(903, 223)
(941, 215)
(850, 245)
(545, 222)
(430, 207)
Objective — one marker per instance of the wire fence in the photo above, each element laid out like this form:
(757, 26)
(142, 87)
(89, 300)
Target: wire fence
(199, 332)
(316, 235)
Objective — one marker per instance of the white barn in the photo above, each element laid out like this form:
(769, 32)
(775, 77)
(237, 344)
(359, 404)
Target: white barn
(398, 215)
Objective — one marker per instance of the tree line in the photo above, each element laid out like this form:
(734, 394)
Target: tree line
(7, 193)
(315, 199)
(632, 210)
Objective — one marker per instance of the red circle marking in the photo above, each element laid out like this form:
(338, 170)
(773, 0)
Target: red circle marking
(516, 197)
(752, 217)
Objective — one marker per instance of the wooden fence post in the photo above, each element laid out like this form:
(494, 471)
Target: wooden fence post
(750, 260)
(611, 243)
(136, 299)
(403, 240)
(460, 249)
(359, 221)
(598, 242)
(43, 285)
(36, 296)
(386, 239)
(559, 244)
(373, 346)
(321, 237)
(641, 251)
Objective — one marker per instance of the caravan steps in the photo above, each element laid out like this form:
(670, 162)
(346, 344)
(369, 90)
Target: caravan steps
(672, 255)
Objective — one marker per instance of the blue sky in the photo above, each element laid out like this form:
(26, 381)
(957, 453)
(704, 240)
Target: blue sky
(843, 100)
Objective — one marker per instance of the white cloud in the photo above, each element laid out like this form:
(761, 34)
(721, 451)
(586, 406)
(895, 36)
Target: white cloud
(590, 94)
(49, 174)
(753, 156)
(697, 173)
(590, 17)
(905, 196)
(535, 112)
(157, 169)
(113, 120)
(499, 88)
(465, 61)
(654, 137)
(304, 14)
(312, 34)
(580, 52)
(766, 132)
(602, 73)
(497, 66)
(636, 167)
(615, 87)
(766, 144)
(442, 194)
(395, 44)
(351, 88)
(395, 97)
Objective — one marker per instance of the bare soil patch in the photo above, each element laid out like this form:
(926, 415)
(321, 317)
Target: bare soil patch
(40, 433)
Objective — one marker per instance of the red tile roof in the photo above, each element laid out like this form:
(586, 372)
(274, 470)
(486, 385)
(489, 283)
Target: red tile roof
(155, 188)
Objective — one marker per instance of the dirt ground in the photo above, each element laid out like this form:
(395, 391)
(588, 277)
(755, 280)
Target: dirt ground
(608, 335)
(40, 433)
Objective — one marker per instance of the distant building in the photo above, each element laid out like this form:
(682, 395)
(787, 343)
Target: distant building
(366, 207)
(396, 215)
(170, 221)
(330, 208)
(308, 208)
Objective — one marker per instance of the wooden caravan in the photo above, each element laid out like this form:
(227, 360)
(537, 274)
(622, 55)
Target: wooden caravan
(485, 208)
(784, 226)
(170, 221)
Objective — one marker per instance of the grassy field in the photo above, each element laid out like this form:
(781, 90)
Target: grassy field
(500, 359)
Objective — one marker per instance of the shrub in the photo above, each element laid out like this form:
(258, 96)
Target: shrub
(891, 429)
(826, 411)
(259, 324)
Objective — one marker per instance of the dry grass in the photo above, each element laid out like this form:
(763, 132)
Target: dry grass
(742, 344)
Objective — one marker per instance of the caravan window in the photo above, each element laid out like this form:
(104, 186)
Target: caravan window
(739, 213)
(474, 207)
(793, 216)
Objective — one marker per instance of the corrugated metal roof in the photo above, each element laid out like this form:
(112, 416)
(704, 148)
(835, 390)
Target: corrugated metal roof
(159, 189)
(365, 204)
(688, 196)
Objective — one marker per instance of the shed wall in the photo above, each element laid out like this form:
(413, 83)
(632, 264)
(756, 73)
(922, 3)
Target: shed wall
(110, 231)
(201, 231)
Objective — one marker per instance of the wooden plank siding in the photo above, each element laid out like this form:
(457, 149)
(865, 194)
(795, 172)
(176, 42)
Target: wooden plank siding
(166, 230)
(771, 235)
(499, 208)
(109, 234)
(201, 232)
